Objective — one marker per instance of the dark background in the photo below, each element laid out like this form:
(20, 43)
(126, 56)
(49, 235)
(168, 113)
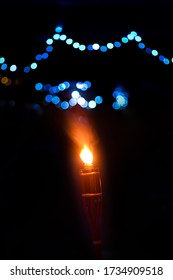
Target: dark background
(40, 203)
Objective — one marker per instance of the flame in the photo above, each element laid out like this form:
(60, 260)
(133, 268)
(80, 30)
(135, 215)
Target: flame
(79, 128)
(86, 155)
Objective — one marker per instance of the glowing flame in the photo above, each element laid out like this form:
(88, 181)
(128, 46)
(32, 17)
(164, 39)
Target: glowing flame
(86, 155)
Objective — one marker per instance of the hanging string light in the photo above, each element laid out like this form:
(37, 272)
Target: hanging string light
(58, 36)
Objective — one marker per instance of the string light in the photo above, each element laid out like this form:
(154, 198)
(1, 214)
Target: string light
(121, 97)
(71, 90)
(132, 36)
(5, 80)
(74, 94)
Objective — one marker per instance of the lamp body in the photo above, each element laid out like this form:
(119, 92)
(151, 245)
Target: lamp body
(92, 203)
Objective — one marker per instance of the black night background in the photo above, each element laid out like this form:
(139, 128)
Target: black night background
(40, 203)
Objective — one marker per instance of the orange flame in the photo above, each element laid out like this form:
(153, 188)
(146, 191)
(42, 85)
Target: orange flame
(79, 129)
(86, 155)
